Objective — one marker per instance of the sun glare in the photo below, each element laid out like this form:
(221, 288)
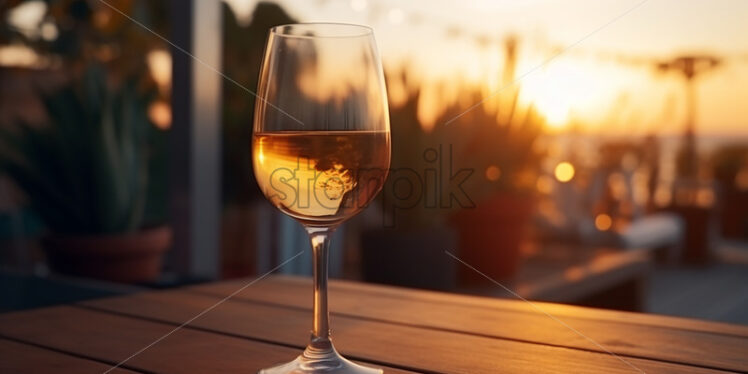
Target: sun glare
(560, 89)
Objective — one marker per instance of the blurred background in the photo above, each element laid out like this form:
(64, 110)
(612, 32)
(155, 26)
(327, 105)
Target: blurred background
(591, 153)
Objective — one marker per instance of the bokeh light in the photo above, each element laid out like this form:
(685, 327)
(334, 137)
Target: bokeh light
(603, 222)
(493, 173)
(564, 172)
(159, 112)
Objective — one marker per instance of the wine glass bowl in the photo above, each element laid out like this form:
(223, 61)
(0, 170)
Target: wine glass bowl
(321, 148)
(321, 177)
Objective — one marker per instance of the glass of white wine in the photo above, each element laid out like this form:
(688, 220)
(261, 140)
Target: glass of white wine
(321, 148)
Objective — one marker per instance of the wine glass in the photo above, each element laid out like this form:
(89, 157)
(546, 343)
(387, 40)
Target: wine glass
(321, 148)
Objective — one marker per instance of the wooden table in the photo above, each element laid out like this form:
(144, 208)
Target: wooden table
(399, 329)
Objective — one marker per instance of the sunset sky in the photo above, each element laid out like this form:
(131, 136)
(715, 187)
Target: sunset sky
(606, 83)
(601, 75)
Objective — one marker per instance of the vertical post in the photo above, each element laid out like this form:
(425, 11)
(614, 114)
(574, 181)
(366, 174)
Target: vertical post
(195, 143)
(689, 142)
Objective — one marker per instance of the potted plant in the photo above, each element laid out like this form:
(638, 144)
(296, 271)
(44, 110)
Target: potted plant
(86, 175)
(407, 246)
(497, 143)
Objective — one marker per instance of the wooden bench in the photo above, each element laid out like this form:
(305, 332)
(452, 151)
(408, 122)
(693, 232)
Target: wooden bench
(599, 277)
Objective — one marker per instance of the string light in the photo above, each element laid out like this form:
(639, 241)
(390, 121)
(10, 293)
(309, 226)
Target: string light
(396, 16)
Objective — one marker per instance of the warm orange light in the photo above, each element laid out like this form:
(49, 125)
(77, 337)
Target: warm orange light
(159, 64)
(564, 88)
(741, 179)
(544, 184)
(102, 17)
(705, 198)
(574, 273)
(429, 107)
(18, 55)
(397, 93)
(160, 114)
(662, 196)
(493, 173)
(564, 171)
(603, 222)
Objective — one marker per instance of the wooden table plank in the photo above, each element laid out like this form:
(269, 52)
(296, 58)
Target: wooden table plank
(622, 337)
(18, 358)
(111, 338)
(518, 305)
(281, 283)
(422, 349)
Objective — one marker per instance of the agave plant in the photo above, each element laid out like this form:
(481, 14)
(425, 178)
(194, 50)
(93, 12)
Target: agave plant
(85, 171)
(495, 145)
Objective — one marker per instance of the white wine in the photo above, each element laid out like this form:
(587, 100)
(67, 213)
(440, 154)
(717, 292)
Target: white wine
(321, 177)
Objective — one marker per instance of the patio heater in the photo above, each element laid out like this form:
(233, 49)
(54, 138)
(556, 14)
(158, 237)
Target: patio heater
(687, 190)
(690, 67)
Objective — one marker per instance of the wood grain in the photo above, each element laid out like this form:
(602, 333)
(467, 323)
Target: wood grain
(623, 336)
(402, 330)
(279, 283)
(112, 338)
(18, 358)
(421, 349)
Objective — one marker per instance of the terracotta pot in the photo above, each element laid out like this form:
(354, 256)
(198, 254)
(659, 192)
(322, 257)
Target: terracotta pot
(132, 257)
(699, 233)
(491, 235)
(734, 214)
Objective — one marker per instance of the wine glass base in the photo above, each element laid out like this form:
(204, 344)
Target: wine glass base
(327, 362)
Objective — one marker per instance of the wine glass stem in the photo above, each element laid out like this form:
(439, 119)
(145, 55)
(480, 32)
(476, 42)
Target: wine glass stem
(320, 339)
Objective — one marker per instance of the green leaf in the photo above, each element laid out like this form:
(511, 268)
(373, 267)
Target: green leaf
(86, 170)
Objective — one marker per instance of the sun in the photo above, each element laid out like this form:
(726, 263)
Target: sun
(558, 90)
(555, 111)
